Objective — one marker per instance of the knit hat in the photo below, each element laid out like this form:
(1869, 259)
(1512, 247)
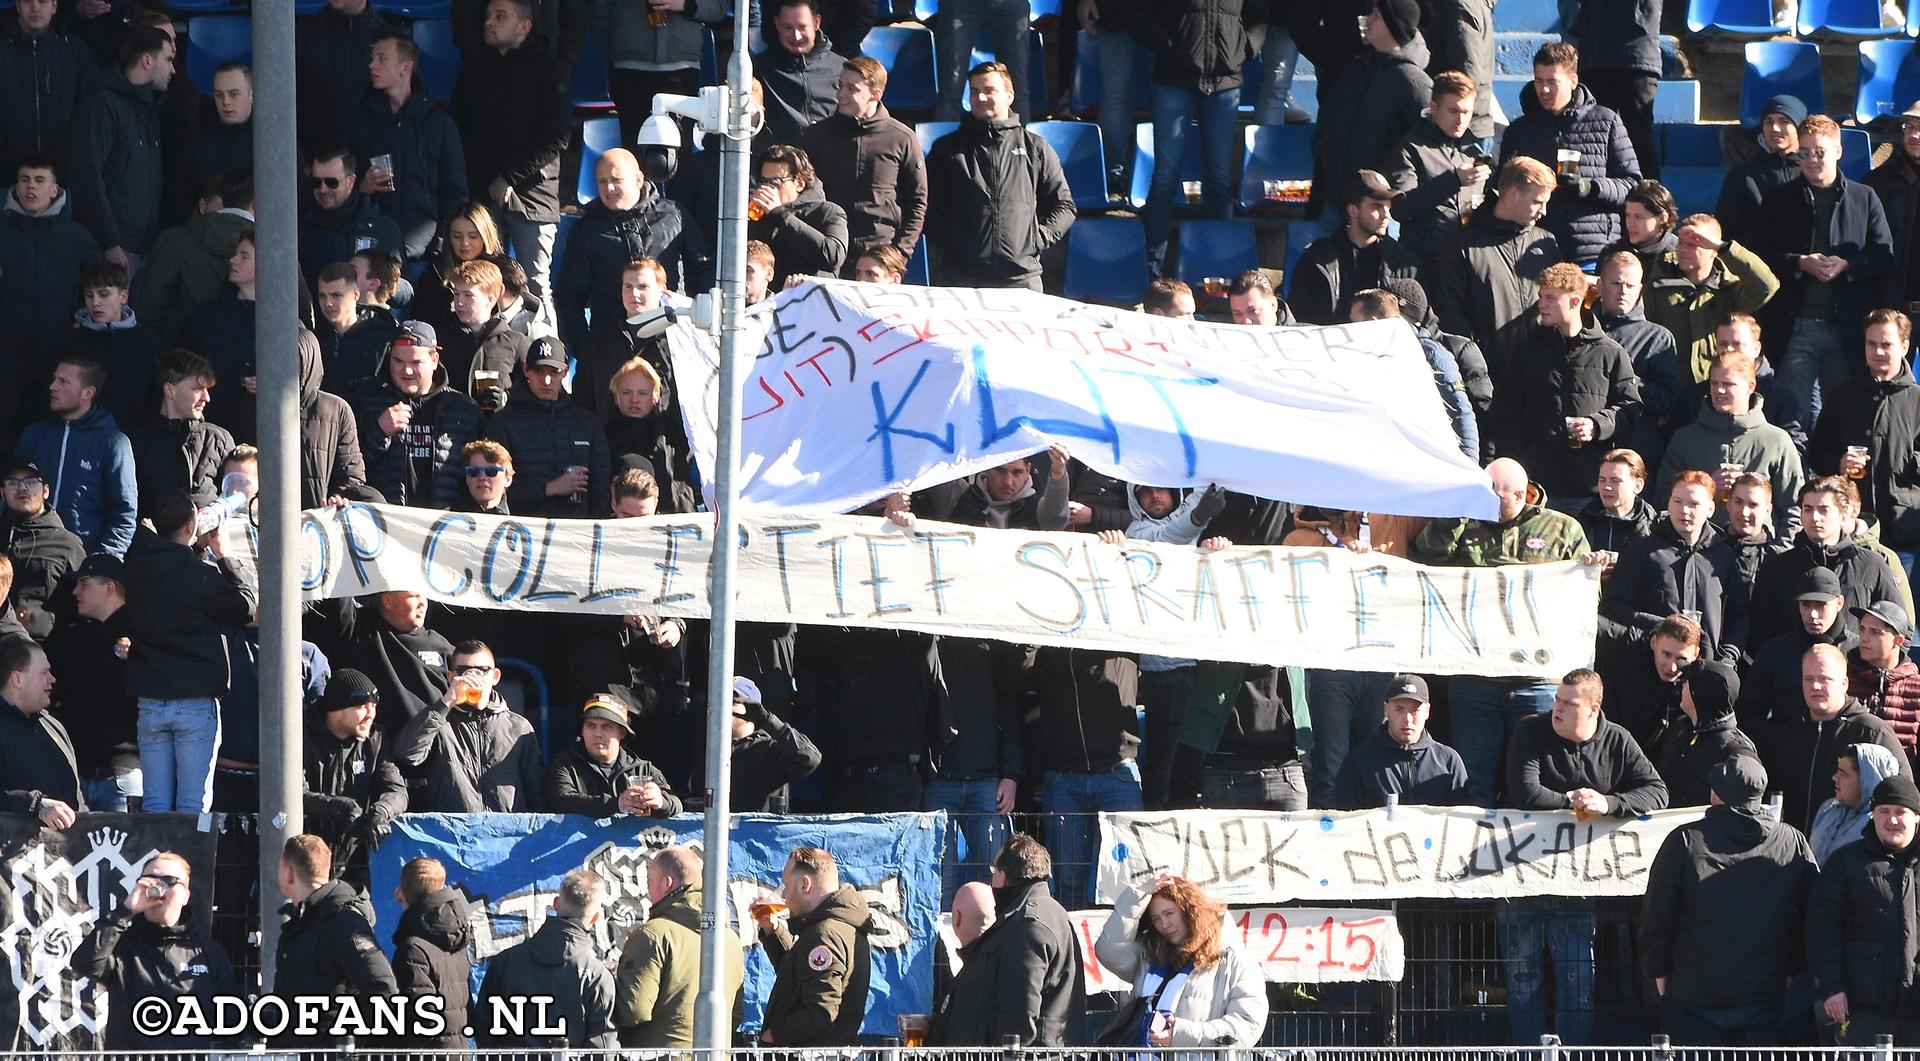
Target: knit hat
(1414, 308)
(1402, 18)
(1715, 686)
(1897, 791)
(346, 688)
(1739, 780)
(1790, 106)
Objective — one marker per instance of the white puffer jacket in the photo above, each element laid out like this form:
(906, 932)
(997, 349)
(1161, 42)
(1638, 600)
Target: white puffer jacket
(1224, 1004)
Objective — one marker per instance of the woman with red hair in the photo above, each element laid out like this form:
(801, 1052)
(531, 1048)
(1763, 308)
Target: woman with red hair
(1169, 939)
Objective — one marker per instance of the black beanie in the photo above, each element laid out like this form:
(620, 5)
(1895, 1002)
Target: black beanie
(1897, 791)
(1402, 18)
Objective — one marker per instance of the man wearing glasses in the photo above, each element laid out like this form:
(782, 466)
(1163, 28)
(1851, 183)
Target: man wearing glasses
(152, 946)
(808, 234)
(489, 471)
(471, 752)
(1827, 240)
(340, 219)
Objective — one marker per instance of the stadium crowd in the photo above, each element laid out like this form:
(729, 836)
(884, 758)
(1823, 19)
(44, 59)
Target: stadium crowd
(1715, 409)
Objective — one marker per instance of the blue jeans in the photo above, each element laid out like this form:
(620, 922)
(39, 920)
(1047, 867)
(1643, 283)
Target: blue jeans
(1814, 362)
(1118, 52)
(1173, 111)
(1279, 55)
(177, 741)
(960, 22)
(1483, 713)
(1530, 931)
(1073, 833)
(111, 794)
(1347, 708)
(975, 830)
(1907, 558)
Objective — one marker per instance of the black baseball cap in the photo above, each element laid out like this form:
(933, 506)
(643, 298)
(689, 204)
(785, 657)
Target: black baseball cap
(546, 352)
(102, 565)
(1887, 612)
(1408, 687)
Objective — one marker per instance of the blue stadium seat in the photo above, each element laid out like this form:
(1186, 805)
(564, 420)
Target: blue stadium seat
(918, 272)
(1775, 67)
(925, 10)
(1842, 20)
(590, 78)
(1696, 189)
(309, 7)
(1107, 260)
(1037, 95)
(1856, 153)
(597, 137)
(1081, 158)
(907, 53)
(1889, 80)
(1529, 16)
(1213, 248)
(416, 8)
(216, 39)
(1513, 52)
(1084, 97)
(1677, 102)
(1739, 19)
(1692, 145)
(1039, 9)
(1143, 162)
(1274, 152)
(439, 59)
(928, 132)
(204, 7)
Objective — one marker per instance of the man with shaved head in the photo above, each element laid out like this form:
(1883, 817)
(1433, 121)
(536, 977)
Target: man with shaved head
(1486, 710)
(631, 218)
(659, 974)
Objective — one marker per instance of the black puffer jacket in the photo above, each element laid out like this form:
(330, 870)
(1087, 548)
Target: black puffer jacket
(43, 78)
(1864, 580)
(1332, 270)
(327, 947)
(1655, 357)
(216, 148)
(546, 438)
(587, 278)
(1541, 377)
(421, 465)
(430, 958)
(1021, 978)
(429, 164)
(515, 119)
(43, 256)
(114, 167)
(179, 455)
(1432, 198)
(352, 785)
(1862, 928)
(1377, 100)
(135, 957)
(1003, 199)
(1584, 226)
(1661, 575)
(1198, 45)
(1488, 275)
(1885, 418)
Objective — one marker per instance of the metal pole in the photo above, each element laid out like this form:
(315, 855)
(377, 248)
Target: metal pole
(713, 1010)
(276, 338)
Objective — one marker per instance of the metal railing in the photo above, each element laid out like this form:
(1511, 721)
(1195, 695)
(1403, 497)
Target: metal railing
(1549, 1050)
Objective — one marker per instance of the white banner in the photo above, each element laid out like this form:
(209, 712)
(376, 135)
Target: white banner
(1314, 607)
(857, 390)
(1406, 853)
(1291, 945)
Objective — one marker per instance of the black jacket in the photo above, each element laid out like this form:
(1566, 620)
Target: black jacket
(1689, 752)
(871, 168)
(429, 164)
(1540, 378)
(1002, 197)
(1376, 100)
(1432, 200)
(176, 607)
(334, 235)
(586, 280)
(430, 958)
(1488, 275)
(546, 438)
(1897, 182)
(1542, 767)
(410, 669)
(515, 119)
(44, 553)
(179, 454)
(215, 148)
(1638, 699)
(128, 353)
(43, 78)
(1199, 45)
(331, 50)
(1021, 978)
(494, 347)
(352, 788)
(808, 236)
(1745, 187)
(880, 693)
(1584, 226)
(222, 332)
(773, 755)
(135, 958)
(576, 784)
(1332, 270)
(421, 465)
(986, 684)
(559, 27)
(114, 169)
(660, 437)
(465, 760)
(1753, 552)
(1611, 533)
(1425, 773)
(799, 89)
(1655, 356)
(1660, 575)
(1857, 232)
(44, 256)
(1087, 718)
(1770, 684)
(1885, 418)
(1799, 755)
(1725, 900)
(36, 759)
(822, 965)
(559, 961)
(1618, 35)
(1864, 577)
(1862, 927)
(327, 947)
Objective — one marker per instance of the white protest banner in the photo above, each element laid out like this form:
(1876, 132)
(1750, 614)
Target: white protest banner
(1315, 607)
(1406, 853)
(857, 390)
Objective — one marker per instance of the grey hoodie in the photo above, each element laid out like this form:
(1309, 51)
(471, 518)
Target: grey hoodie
(1835, 824)
(1182, 526)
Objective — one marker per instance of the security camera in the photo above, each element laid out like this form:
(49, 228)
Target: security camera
(654, 322)
(659, 148)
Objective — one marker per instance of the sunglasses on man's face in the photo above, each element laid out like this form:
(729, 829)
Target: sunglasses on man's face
(475, 471)
(326, 182)
(163, 879)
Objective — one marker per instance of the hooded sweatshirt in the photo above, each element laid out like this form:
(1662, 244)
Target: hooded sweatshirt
(43, 256)
(89, 468)
(430, 958)
(128, 352)
(1183, 525)
(1800, 756)
(1835, 824)
(1746, 439)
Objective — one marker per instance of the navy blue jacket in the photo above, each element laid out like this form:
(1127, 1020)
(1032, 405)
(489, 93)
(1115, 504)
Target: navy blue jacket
(429, 166)
(89, 468)
(42, 81)
(1425, 773)
(331, 51)
(114, 166)
(43, 256)
(1584, 227)
(587, 279)
(328, 236)
(1858, 232)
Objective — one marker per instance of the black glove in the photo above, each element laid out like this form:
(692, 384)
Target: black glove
(493, 399)
(1581, 187)
(1213, 501)
(377, 828)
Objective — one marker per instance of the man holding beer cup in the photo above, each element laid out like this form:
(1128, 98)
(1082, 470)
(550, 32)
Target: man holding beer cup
(598, 777)
(1871, 431)
(1587, 146)
(471, 752)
